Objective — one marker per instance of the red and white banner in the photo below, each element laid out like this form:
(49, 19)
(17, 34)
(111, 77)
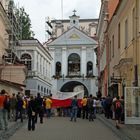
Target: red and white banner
(63, 99)
(68, 95)
(63, 103)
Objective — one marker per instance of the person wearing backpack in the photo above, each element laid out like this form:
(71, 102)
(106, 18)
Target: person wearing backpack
(3, 111)
(118, 111)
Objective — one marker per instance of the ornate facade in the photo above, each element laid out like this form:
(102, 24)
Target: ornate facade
(74, 59)
(38, 63)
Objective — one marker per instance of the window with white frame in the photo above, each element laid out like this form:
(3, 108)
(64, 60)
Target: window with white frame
(26, 59)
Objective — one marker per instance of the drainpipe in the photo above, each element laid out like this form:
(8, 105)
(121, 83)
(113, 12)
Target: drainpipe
(136, 61)
(136, 47)
(106, 19)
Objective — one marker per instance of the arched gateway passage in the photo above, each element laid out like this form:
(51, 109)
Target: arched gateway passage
(69, 87)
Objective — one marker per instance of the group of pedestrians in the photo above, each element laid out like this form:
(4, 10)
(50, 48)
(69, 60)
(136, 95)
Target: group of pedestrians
(12, 108)
(38, 107)
(114, 109)
(17, 107)
(87, 107)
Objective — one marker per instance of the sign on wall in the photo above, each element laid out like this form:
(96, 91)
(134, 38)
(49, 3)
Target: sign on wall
(132, 105)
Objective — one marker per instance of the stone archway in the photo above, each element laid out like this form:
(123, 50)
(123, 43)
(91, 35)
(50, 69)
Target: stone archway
(72, 85)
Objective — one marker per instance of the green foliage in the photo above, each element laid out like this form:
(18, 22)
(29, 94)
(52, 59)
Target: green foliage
(25, 23)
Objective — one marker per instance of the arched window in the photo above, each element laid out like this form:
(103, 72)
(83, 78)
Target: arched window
(74, 64)
(44, 90)
(26, 59)
(89, 69)
(41, 88)
(58, 68)
(38, 87)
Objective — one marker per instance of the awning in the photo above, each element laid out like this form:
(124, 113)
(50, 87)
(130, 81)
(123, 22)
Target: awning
(17, 85)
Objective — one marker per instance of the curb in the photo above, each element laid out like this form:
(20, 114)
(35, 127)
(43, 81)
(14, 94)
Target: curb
(5, 135)
(122, 134)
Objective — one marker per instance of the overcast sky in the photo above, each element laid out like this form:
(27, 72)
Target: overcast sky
(39, 9)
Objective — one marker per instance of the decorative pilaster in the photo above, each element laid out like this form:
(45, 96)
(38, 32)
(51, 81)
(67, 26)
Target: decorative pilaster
(53, 62)
(64, 61)
(35, 61)
(83, 61)
(49, 70)
(45, 68)
(39, 63)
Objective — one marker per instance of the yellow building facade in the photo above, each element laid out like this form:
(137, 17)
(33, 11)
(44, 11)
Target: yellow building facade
(123, 38)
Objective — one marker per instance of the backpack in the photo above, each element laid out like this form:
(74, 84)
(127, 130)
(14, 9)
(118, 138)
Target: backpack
(118, 105)
(6, 103)
(90, 103)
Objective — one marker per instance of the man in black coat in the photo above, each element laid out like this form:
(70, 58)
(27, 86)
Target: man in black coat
(31, 113)
(40, 109)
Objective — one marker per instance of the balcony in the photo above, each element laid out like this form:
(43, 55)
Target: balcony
(57, 76)
(73, 76)
(31, 74)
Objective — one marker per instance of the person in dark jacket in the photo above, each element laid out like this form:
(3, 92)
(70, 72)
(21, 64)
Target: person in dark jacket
(108, 106)
(90, 108)
(13, 102)
(31, 113)
(40, 109)
(19, 108)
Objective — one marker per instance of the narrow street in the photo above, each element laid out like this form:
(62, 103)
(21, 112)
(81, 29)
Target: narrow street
(78, 58)
(63, 129)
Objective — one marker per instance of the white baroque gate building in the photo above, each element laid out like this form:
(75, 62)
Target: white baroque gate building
(74, 60)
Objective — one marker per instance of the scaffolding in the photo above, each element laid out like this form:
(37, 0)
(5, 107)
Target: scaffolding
(48, 29)
(15, 33)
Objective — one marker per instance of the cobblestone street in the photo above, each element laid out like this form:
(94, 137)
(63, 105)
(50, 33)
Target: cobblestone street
(59, 128)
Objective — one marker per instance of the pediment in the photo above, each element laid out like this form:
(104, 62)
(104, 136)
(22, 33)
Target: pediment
(73, 37)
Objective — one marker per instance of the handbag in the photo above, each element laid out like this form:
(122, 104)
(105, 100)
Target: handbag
(33, 113)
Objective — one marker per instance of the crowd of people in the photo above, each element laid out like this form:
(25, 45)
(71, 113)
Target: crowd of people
(113, 108)
(19, 107)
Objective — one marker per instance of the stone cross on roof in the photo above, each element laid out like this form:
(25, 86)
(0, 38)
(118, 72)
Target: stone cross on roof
(74, 11)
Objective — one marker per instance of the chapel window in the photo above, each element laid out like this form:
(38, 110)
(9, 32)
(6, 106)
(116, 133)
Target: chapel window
(74, 65)
(89, 68)
(58, 68)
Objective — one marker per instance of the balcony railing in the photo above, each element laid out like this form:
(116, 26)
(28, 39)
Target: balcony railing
(31, 74)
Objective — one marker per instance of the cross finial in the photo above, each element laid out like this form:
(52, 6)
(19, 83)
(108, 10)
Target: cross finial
(74, 11)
